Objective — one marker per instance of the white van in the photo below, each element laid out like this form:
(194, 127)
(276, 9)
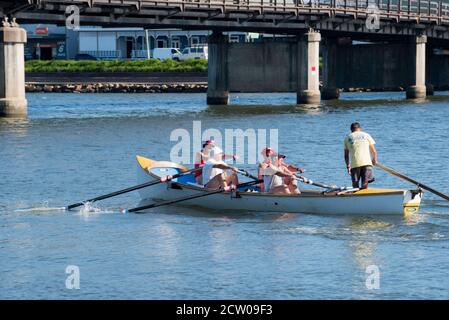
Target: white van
(164, 53)
(198, 52)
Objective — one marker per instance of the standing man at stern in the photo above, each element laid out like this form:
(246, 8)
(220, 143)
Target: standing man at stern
(359, 146)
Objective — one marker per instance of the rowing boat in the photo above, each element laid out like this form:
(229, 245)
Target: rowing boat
(361, 202)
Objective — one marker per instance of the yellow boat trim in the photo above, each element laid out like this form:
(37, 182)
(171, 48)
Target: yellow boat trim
(146, 163)
(411, 204)
(378, 191)
(411, 209)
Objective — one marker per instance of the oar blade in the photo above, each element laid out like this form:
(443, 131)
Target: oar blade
(137, 187)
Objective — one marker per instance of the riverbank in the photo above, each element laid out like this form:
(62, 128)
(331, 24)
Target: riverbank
(117, 88)
(116, 82)
(167, 87)
(142, 82)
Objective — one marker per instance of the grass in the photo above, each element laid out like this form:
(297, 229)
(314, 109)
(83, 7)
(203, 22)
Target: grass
(152, 65)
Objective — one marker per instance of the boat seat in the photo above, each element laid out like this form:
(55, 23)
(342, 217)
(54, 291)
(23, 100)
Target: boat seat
(350, 190)
(162, 172)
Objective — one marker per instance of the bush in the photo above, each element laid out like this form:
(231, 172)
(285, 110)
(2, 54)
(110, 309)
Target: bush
(152, 65)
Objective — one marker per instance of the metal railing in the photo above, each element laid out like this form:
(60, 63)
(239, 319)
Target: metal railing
(103, 54)
(386, 8)
(139, 54)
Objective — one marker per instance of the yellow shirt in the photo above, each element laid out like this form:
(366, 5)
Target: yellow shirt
(358, 143)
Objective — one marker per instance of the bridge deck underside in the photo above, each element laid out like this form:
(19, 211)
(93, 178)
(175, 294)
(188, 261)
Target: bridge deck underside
(397, 17)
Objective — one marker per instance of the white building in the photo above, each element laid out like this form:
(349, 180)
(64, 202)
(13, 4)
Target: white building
(137, 43)
(46, 41)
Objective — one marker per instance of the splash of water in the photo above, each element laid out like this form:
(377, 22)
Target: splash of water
(89, 208)
(43, 207)
(414, 218)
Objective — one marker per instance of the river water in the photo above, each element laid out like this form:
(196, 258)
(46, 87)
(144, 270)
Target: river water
(75, 146)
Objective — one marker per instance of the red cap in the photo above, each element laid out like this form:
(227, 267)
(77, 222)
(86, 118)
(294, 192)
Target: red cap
(267, 151)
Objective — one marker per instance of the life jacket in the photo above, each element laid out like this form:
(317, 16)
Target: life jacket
(197, 165)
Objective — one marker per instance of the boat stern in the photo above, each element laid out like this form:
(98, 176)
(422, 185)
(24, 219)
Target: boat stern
(149, 170)
(412, 201)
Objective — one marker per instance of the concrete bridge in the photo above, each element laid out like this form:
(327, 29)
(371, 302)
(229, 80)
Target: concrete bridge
(403, 34)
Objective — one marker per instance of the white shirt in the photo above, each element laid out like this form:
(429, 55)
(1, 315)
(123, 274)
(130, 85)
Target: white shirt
(270, 178)
(209, 172)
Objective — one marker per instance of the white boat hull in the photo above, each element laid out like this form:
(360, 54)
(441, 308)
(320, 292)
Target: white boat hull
(366, 202)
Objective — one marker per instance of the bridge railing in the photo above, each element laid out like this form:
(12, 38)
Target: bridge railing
(400, 7)
(405, 8)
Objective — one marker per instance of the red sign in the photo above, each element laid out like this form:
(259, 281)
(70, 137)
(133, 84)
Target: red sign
(313, 68)
(42, 31)
(45, 45)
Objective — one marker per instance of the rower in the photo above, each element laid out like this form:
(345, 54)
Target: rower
(272, 174)
(201, 157)
(216, 173)
(291, 180)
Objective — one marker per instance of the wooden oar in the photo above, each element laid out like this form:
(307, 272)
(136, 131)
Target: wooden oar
(419, 184)
(198, 195)
(321, 185)
(139, 186)
(247, 174)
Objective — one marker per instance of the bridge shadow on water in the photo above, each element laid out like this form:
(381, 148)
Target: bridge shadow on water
(347, 101)
(238, 109)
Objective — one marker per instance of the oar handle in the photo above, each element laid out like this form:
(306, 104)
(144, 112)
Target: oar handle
(199, 195)
(140, 186)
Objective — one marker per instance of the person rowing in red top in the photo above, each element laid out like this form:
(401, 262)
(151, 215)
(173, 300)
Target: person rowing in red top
(217, 174)
(201, 159)
(202, 156)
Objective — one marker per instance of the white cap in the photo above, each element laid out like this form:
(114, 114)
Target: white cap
(217, 150)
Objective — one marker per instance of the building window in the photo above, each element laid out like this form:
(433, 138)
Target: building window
(176, 43)
(161, 43)
(195, 40)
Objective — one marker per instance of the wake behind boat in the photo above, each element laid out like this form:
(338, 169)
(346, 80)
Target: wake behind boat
(361, 202)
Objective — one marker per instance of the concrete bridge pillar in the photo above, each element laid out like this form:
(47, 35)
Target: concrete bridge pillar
(12, 71)
(217, 74)
(417, 89)
(330, 90)
(308, 90)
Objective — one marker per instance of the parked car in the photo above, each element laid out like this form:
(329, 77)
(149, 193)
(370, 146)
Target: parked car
(84, 56)
(199, 52)
(164, 53)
